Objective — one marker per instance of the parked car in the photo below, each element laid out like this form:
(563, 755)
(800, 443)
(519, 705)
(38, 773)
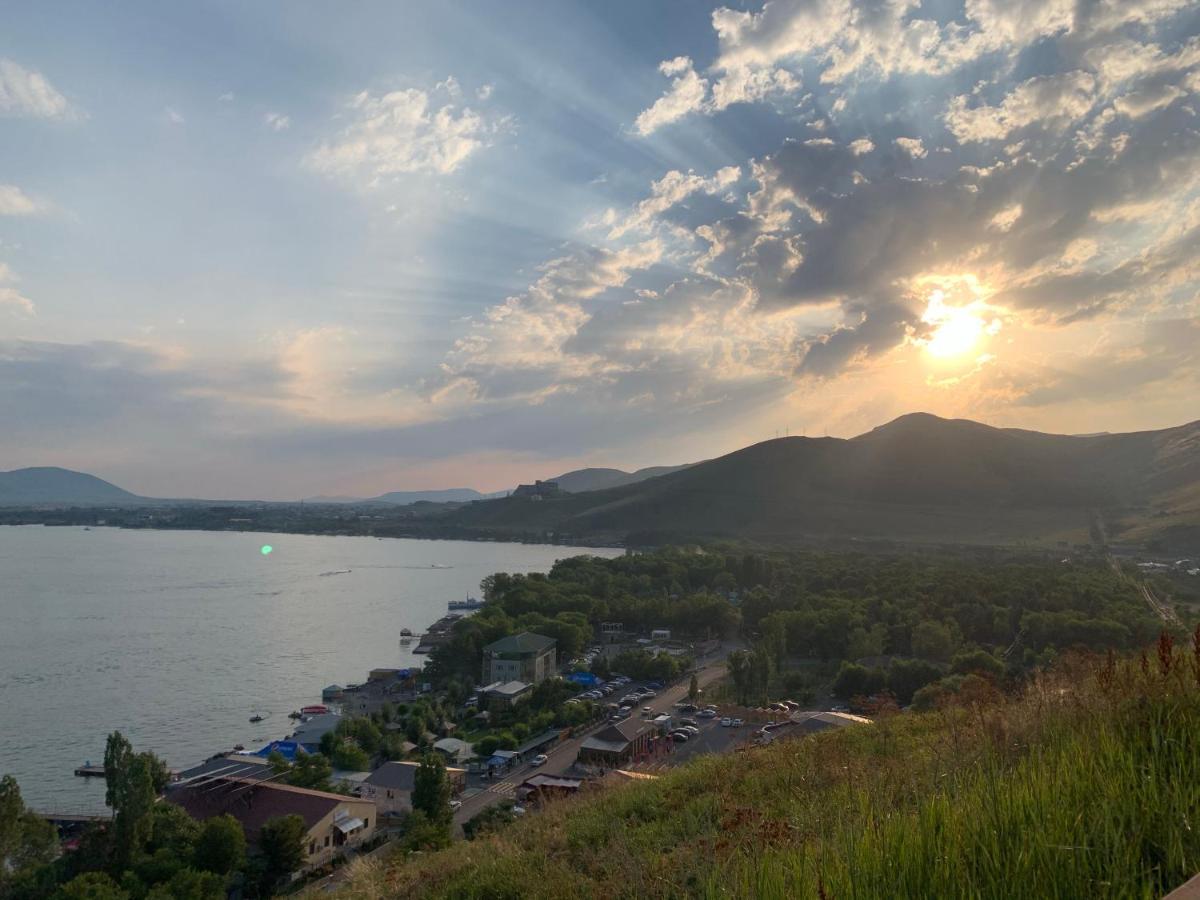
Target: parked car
(727, 721)
(736, 723)
(707, 714)
(539, 760)
(649, 694)
(455, 804)
(655, 685)
(688, 722)
(686, 707)
(680, 737)
(690, 729)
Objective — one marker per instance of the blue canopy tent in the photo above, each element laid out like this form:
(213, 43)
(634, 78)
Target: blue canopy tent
(287, 749)
(585, 679)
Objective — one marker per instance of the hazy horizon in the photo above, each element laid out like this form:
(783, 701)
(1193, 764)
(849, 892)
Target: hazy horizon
(292, 249)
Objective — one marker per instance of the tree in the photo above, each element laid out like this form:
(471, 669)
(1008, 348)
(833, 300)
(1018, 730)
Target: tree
(91, 886)
(188, 884)
(966, 662)
(422, 834)
(490, 819)
(932, 640)
(693, 689)
(220, 846)
(171, 829)
(310, 770)
(27, 841)
(350, 757)
(907, 676)
(132, 783)
(281, 843)
(431, 790)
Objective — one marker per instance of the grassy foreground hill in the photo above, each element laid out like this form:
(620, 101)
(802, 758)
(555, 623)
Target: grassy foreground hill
(1087, 784)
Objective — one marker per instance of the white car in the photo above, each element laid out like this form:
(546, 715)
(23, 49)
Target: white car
(727, 721)
(690, 729)
(736, 723)
(539, 760)
(707, 714)
(455, 804)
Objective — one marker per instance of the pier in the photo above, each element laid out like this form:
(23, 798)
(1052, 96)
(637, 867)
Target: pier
(90, 771)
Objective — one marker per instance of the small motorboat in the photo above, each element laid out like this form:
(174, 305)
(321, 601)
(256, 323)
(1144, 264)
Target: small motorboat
(314, 710)
(256, 718)
(238, 748)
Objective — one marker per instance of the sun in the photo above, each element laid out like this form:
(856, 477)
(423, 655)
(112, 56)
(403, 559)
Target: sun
(956, 330)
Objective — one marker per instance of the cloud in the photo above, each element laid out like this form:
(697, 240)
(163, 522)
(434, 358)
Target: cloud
(277, 121)
(686, 94)
(1050, 102)
(689, 92)
(174, 116)
(405, 132)
(9, 295)
(15, 202)
(27, 93)
(671, 189)
(914, 147)
(861, 146)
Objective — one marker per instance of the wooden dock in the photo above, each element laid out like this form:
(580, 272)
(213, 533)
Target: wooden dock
(90, 771)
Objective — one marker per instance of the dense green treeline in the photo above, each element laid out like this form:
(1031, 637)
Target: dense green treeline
(804, 613)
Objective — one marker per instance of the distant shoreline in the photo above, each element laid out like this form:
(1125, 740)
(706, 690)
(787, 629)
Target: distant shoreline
(323, 521)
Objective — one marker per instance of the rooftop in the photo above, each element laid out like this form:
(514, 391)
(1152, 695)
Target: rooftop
(254, 803)
(525, 642)
(507, 688)
(400, 775)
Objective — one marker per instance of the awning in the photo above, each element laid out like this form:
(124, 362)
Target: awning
(348, 825)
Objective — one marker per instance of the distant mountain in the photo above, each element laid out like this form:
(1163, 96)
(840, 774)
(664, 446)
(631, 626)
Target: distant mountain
(450, 495)
(407, 498)
(918, 478)
(49, 485)
(580, 480)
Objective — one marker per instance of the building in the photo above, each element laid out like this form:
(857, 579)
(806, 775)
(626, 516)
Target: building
(505, 694)
(334, 822)
(660, 634)
(454, 750)
(309, 731)
(520, 657)
(621, 743)
(391, 785)
(540, 788)
(612, 632)
(539, 490)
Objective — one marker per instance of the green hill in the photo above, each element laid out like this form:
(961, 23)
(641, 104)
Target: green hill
(919, 478)
(49, 485)
(1087, 785)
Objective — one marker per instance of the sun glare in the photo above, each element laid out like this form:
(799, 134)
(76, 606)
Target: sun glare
(956, 330)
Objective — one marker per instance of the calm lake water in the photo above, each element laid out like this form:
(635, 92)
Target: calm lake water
(177, 637)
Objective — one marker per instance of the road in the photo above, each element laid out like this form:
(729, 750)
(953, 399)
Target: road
(562, 757)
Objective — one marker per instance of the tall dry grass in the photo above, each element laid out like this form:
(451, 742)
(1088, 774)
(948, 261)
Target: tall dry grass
(1085, 785)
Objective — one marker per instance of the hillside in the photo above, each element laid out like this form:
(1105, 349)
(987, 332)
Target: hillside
(60, 487)
(919, 478)
(581, 480)
(1080, 787)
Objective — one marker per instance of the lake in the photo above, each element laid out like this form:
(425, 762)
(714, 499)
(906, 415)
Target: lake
(177, 637)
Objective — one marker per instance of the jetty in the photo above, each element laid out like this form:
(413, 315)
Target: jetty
(90, 771)
(437, 633)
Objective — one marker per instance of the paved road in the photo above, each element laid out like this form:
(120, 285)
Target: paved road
(562, 757)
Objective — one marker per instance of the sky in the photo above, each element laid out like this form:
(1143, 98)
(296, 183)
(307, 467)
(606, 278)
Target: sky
(281, 249)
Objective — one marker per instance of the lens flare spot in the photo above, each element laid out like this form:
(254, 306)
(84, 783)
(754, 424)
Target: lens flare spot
(266, 549)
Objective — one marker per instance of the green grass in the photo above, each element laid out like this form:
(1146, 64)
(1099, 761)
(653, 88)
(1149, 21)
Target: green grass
(1088, 785)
